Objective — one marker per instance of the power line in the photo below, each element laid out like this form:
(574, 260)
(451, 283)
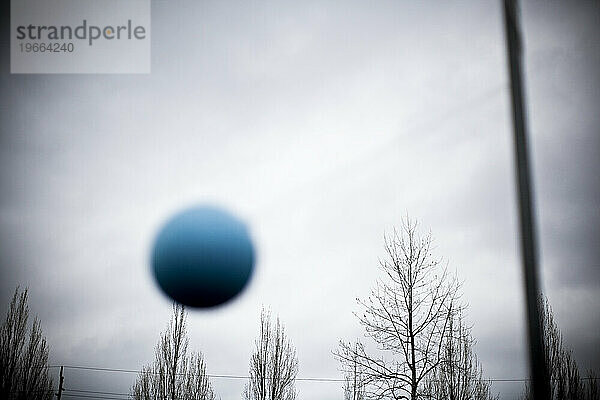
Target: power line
(97, 392)
(231, 376)
(93, 397)
(223, 376)
(94, 392)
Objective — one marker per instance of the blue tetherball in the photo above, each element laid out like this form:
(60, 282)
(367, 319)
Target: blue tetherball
(203, 257)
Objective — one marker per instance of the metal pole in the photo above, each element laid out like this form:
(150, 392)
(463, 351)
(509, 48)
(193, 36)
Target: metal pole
(60, 385)
(537, 364)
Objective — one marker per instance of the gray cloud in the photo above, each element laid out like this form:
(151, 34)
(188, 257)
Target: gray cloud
(322, 126)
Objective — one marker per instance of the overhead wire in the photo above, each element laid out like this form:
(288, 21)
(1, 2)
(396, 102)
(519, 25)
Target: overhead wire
(233, 376)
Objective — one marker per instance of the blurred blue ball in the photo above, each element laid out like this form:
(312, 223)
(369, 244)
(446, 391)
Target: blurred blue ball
(203, 257)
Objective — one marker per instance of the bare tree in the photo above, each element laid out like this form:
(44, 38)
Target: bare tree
(459, 376)
(23, 354)
(273, 365)
(354, 385)
(408, 315)
(593, 391)
(174, 374)
(566, 382)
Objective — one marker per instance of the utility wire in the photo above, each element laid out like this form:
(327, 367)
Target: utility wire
(92, 397)
(97, 392)
(224, 376)
(231, 376)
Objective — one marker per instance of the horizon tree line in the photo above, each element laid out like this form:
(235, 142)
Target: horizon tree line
(418, 345)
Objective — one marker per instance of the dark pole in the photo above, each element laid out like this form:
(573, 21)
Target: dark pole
(60, 384)
(537, 364)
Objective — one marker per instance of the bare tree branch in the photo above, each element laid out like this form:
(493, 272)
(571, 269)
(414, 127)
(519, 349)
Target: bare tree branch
(566, 382)
(408, 315)
(174, 374)
(23, 354)
(459, 376)
(273, 365)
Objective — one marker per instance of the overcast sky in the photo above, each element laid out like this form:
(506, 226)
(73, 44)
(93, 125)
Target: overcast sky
(320, 124)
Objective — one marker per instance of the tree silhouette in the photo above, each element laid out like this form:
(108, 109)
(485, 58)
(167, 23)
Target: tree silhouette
(273, 365)
(173, 374)
(566, 382)
(408, 315)
(354, 385)
(23, 354)
(459, 376)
